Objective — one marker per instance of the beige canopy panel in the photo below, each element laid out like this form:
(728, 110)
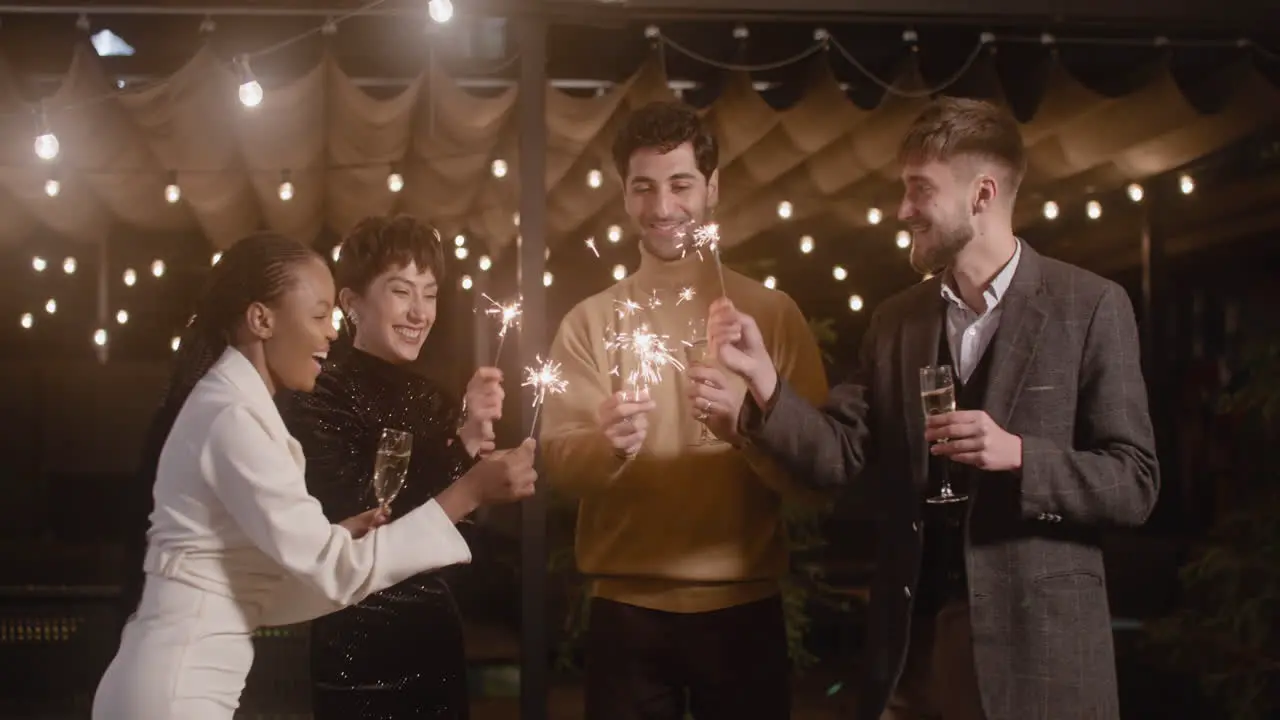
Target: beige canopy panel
(824, 155)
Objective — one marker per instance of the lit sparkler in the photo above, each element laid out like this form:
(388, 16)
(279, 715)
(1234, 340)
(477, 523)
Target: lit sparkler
(591, 243)
(654, 301)
(651, 354)
(686, 295)
(627, 308)
(508, 315)
(707, 238)
(543, 378)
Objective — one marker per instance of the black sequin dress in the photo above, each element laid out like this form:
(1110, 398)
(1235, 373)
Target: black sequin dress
(398, 654)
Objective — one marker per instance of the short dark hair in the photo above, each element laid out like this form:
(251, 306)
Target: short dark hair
(377, 244)
(665, 126)
(950, 127)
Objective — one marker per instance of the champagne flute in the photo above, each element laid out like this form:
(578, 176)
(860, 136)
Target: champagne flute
(391, 466)
(938, 395)
(696, 346)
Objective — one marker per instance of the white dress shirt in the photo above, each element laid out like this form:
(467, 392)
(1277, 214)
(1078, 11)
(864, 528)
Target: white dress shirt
(968, 332)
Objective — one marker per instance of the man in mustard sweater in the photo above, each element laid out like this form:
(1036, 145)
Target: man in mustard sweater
(680, 532)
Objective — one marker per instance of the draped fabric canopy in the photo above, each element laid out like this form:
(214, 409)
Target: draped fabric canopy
(823, 154)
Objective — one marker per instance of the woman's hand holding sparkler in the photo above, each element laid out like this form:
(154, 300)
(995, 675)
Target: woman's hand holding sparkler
(483, 406)
(736, 340)
(714, 403)
(625, 421)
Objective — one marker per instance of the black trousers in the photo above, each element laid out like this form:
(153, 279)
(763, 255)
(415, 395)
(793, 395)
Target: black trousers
(731, 664)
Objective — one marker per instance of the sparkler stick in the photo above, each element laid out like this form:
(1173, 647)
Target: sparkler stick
(543, 378)
(507, 315)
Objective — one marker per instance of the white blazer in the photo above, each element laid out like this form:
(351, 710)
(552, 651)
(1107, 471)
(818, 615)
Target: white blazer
(236, 543)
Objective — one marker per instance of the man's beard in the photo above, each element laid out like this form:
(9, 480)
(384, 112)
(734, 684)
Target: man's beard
(943, 251)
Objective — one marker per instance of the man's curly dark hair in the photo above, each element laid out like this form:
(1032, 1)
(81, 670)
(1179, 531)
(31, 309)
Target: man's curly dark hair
(666, 126)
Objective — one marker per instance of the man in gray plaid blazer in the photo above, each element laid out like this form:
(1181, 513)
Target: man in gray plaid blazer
(994, 607)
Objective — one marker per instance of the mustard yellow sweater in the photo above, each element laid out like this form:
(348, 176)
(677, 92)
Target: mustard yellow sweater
(681, 527)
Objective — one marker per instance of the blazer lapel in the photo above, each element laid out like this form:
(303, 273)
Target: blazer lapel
(921, 331)
(1017, 339)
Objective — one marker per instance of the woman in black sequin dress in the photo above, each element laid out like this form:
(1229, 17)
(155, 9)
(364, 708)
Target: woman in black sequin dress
(399, 654)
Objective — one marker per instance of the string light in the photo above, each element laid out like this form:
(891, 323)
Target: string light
(1093, 209)
(250, 92)
(39, 264)
(175, 342)
(130, 277)
(172, 193)
(440, 11)
(484, 263)
(619, 272)
(465, 282)
(100, 337)
(547, 278)
(459, 240)
(286, 187)
(122, 316)
(395, 182)
(69, 265)
(874, 216)
(771, 282)
(784, 210)
(52, 187)
(157, 268)
(51, 306)
(1050, 210)
(460, 253)
(499, 168)
(855, 303)
(595, 179)
(806, 244)
(46, 145)
(839, 273)
(615, 234)
(217, 257)
(1135, 192)
(26, 321)
(1186, 184)
(903, 239)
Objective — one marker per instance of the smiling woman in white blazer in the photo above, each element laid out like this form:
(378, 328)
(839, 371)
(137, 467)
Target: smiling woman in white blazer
(235, 542)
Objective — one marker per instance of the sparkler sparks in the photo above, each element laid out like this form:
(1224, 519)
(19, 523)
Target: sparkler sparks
(627, 308)
(706, 237)
(654, 301)
(651, 354)
(591, 243)
(508, 315)
(686, 295)
(544, 378)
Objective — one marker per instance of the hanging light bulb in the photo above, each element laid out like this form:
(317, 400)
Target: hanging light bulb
(157, 268)
(784, 209)
(499, 168)
(1135, 192)
(286, 186)
(130, 277)
(459, 240)
(52, 187)
(855, 303)
(515, 219)
(466, 282)
(69, 266)
(39, 264)
(484, 262)
(806, 244)
(839, 273)
(122, 316)
(595, 179)
(217, 257)
(1186, 184)
(99, 337)
(175, 342)
(250, 92)
(46, 145)
(619, 272)
(874, 216)
(395, 182)
(440, 11)
(547, 278)
(172, 193)
(1093, 209)
(27, 320)
(615, 234)
(1050, 210)
(771, 282)
(51, 306)
(903, 239)
(460, 253)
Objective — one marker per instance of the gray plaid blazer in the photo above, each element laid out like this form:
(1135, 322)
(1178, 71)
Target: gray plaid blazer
(1065, 376)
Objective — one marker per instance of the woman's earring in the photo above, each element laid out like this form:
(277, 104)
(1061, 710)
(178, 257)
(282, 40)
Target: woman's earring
(351, 317)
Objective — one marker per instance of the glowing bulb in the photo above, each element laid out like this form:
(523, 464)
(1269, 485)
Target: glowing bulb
(157, 268)
(547, 278)
(217, 257)
(46, 146)
(251, 93)
(515, 219)
(39, 264)
(175, 342)
(806, 244)
(595, 179)
(1135, 192)
(619, 272)
(1186, 184)
(336, 318)
(286, 191)
(459, 240)
(52, 188)
(903, 238)
(615, 234)
(484, 262)
(99, 337)
(784, 209)
(1050, 210)
(336, 252)
(172, 193)
(69, 266)
(771, 282)
(395, 182)
(874, 216)
(839, 273)
(440, 11)
(51, 306)
(460, 253)
(122, 317)
(466, 282)
(1093, 209)
(130, 277)
(27, 320)
(499, 168)
(855, 303)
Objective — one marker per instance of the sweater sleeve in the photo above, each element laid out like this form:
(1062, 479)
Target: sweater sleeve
(579, 459)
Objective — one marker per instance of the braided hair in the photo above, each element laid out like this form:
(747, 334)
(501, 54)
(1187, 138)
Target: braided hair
(257, 269)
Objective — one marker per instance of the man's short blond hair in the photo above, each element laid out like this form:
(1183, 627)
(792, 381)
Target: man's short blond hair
(951, 128)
